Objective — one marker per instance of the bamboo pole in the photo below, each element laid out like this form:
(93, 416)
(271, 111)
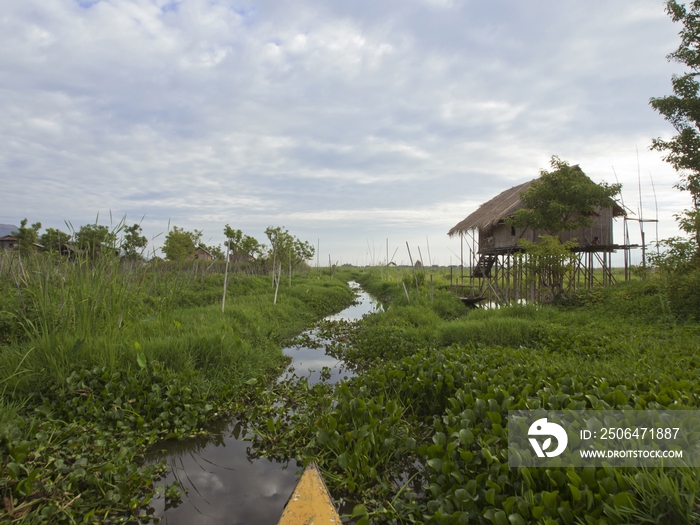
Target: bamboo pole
(405, 291)
(412, 267)
(279, 278)
(461, 262)
(223, 297)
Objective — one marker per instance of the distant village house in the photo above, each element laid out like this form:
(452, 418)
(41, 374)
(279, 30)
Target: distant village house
(201, 254)
(8, 242)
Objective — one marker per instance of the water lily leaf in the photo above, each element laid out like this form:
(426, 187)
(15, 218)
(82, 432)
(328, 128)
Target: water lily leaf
(516, 519)
(359, 510)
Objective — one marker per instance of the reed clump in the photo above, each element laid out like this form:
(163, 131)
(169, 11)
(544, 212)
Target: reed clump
(97, 350)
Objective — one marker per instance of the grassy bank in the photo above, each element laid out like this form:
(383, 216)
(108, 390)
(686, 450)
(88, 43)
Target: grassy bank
(421, 435)
(99, 359)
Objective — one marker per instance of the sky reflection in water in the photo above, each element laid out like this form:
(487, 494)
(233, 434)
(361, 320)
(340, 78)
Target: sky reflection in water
(225, 486)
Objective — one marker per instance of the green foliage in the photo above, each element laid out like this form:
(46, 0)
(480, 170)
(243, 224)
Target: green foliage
(250, 246)
(233, 238)
(95, 240)
(420, 436)
(27, 236)
(133, 243)
(287, 249)
(677, 257)
(489, 331)
(179, 243)
(562, 199)
(549, 265)
(52, 239)
(681, 111)
(679, 274)
(238, 243)
(665, 497)
(100, 359)
(78, 455)
(682, 292)
(217, 252)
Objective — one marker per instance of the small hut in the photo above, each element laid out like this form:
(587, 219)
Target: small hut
(495, 236)
(201, 254)
(8, 242)
(492, 242)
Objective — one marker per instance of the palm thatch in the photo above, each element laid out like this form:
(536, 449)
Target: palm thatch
(502, 206)
(488, 214)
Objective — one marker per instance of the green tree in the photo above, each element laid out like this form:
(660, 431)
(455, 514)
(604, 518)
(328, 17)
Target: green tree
(180, 243)
(52, 239)
(250, 246)
(562, 199)
(95, 239)
(242, 244)
(550, 265)
(285, 249)
(27, 236)
(217, 252)
(233, 238)
(133, 243)
(682, 111)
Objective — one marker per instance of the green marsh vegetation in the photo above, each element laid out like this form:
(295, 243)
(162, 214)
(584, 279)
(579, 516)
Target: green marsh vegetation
(102, 357)
(420, 435)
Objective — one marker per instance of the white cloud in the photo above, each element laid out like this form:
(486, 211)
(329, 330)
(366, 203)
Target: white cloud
(319, 116)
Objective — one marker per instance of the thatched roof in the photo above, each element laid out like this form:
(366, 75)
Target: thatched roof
(502, 206)
(488, 214)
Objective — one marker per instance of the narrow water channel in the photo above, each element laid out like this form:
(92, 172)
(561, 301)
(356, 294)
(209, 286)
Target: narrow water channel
(224, 485)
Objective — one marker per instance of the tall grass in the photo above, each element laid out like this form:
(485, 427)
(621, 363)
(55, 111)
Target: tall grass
(56, 313)
(60, 305)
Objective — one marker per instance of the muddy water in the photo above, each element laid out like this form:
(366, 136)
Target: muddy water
(224, 485)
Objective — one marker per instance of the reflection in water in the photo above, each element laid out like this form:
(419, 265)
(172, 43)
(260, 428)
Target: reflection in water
(225, 484)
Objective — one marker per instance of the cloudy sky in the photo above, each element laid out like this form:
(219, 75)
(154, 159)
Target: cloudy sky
(346, 122)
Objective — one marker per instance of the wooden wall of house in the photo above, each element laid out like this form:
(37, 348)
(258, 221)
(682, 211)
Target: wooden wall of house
(599, 233)
(504, 236)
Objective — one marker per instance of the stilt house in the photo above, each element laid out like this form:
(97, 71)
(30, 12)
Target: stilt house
(492, 242)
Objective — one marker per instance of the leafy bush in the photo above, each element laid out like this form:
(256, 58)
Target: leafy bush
(421, 437)
(683, 292)
(100, 360)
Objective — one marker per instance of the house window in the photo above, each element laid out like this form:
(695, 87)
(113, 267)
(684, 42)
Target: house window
(512, 231)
